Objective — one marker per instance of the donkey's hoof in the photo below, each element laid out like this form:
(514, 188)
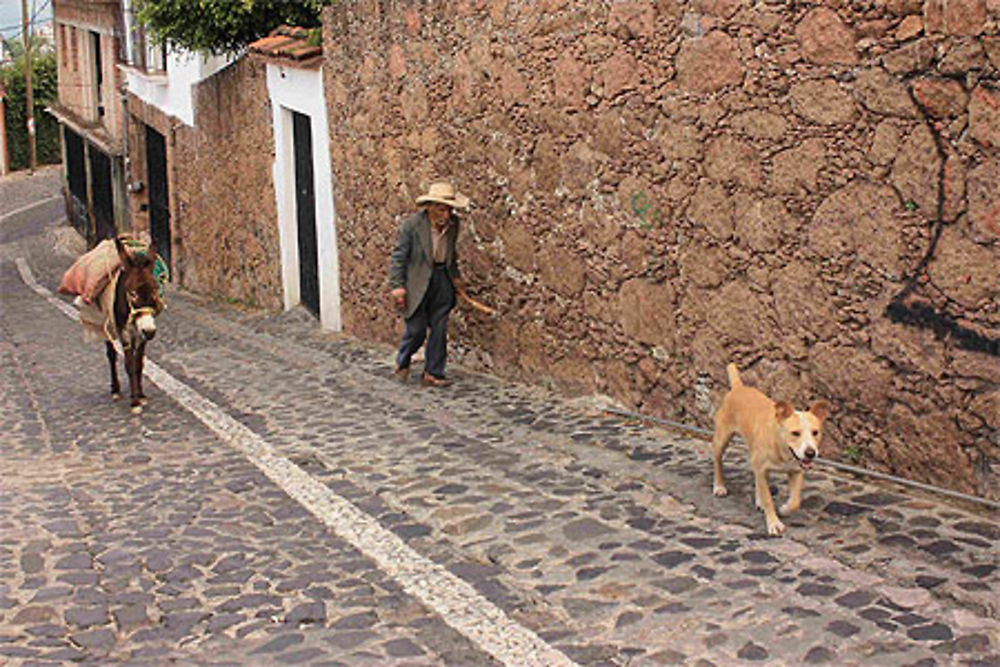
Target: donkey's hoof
(143, 400)
(136, 409)
(116, 396)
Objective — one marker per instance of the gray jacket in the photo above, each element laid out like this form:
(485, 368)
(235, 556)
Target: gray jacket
(413, 258)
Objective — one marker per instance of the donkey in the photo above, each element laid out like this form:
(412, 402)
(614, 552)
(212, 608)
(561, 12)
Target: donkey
(136, 305)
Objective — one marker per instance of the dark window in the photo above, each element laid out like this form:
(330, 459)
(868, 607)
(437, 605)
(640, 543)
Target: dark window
(95, 39)
(159, 198)
(76, 176)
(63, 46)
(100, 187)
(75, 171)
(74, 50)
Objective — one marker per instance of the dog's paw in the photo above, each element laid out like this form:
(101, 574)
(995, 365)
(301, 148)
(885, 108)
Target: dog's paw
(775, 527)
(786, 510)
(720, 490)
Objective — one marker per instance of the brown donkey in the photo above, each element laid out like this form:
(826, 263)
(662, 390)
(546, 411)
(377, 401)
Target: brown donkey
(136, 305)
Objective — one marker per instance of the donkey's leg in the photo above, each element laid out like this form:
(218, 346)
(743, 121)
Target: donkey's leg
(140, 362)
(130, 365)
(116, 389)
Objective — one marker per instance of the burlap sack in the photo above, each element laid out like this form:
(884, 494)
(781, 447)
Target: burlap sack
(98, 317)
(91, 272)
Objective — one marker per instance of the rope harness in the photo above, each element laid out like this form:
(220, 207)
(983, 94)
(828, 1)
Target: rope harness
(160, 273)
(134, 313)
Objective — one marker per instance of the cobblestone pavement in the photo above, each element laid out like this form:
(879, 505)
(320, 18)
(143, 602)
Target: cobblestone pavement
(153, 539)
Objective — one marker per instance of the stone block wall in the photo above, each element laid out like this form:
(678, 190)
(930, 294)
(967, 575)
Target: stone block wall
(223, 214)
(809, 189)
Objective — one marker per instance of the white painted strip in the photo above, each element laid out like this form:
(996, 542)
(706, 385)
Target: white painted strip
(28, 207)
(453, 599)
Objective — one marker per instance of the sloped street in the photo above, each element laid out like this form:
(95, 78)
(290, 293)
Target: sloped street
(284, 500)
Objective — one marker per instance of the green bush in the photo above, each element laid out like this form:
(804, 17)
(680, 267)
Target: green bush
(223, 26)
(44, 88)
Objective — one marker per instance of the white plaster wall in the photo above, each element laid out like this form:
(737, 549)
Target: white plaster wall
(173, 93)
(301, 90)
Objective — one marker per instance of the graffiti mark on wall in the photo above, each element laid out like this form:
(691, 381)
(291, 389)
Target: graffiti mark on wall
(924, 304)
(928, 316)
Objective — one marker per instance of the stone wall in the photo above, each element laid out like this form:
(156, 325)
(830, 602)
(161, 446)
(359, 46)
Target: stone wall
(811, 190)
(223, 215)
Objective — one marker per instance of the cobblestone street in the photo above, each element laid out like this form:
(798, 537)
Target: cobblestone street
(284, 500)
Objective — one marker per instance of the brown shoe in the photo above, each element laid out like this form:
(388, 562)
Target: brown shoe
(403, 374)
(429, 380)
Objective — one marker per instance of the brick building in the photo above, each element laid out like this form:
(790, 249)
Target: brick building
(88, 38)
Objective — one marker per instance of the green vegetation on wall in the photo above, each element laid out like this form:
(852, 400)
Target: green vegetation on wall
(43, 84)
(224, 26)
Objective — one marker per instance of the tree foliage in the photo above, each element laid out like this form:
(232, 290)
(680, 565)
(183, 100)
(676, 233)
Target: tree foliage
(15, 47)
(223, 26)
(44, 87)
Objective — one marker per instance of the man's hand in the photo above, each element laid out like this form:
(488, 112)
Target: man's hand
(399, 298)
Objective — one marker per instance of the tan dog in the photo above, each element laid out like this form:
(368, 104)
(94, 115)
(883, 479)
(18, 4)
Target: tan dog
(780, 439)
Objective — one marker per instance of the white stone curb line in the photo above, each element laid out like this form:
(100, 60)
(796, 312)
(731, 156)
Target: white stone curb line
(28, 207)
(453, 599)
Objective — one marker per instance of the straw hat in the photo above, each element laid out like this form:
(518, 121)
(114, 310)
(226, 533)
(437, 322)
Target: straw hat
(443, 193)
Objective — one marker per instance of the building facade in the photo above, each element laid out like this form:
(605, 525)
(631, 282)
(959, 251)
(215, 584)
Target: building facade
(201, 158)
(88, 37)
(303, 184)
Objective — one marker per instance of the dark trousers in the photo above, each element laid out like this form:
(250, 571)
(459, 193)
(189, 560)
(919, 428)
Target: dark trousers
(432, 312)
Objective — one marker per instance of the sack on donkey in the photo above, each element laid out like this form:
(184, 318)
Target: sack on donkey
(91, 272)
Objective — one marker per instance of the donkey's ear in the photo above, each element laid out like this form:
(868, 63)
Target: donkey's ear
(122, 252)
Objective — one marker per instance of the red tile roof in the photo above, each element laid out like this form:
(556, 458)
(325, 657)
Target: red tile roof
(289, 45)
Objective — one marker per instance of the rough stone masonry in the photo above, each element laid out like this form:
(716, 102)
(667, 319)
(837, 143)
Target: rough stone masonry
(809, 189)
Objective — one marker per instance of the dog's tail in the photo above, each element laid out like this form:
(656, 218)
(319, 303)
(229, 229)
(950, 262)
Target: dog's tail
(734, 376)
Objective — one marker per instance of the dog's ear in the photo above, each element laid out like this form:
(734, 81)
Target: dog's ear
(821, 409)
(783, 410)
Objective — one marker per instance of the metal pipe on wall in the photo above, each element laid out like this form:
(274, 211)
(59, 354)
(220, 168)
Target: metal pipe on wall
(958, 495)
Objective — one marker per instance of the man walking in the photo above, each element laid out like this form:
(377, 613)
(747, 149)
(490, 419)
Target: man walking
(424, 277)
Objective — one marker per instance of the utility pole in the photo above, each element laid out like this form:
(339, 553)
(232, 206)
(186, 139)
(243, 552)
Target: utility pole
(4, 164)
(26, 33)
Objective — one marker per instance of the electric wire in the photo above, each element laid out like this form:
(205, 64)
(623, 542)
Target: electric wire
(31, 21)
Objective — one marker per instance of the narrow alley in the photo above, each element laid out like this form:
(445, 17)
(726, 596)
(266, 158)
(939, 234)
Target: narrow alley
(284, 500)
